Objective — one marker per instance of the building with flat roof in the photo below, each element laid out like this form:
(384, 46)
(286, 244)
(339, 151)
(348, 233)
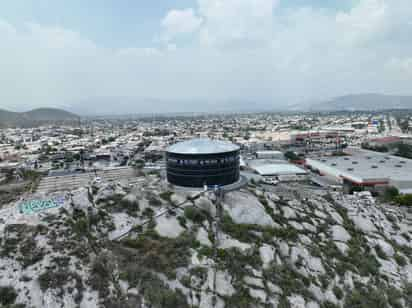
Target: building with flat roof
(270, 155)
(363, 168)
(278, 169)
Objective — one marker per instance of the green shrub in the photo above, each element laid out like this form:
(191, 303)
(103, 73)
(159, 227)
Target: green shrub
(381, 254)
(182, 221)
(289, 280)
(161, 254)
(338, 292)
(166, 196)
(148, 212)
(237, 261)
(153, 201)
(7, 296)
(241, 299)
(131, 206)
(159, 295)
(58, 278)
(401, 260)
(390, 193)
(324, 281)
(359, 255)
(264, 201)
(287, 233)
(290, 155)
(241, 232)
(394, 296)
(404, 200)
(283, 302)
(329, 304)
(81, 226)
(101, 272)
(195, 214)
(365, 297)
(30, 253)
(408, 294)
(205, 251)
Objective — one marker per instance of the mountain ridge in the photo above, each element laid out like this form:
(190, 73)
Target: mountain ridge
(364, 102)
(35, 117)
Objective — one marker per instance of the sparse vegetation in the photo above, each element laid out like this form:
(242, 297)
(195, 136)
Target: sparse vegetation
(381, 254)
(166, 196)
(390, 194)
(404, 200)
(155, 202)
(400, 260)
(195, 214)
(162, 254)
(289, 280)
(241, 299)
(57, 279)
(365, 297)
(101, 271)
(338, 292)
(158, 294)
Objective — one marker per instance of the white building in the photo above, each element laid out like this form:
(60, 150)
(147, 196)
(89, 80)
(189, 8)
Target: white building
(364, 168)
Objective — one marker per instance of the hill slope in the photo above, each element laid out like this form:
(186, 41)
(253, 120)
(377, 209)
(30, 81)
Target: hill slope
(290, 247)
(35, 117)
(364, 102)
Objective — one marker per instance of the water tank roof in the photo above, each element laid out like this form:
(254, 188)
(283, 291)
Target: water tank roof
(202, 146)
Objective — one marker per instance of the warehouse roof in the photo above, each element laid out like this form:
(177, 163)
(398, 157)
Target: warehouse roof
(267, 168)
(202, 146)
(365, 166)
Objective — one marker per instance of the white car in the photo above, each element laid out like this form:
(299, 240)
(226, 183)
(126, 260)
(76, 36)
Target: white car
(271, 181)
(97, 180)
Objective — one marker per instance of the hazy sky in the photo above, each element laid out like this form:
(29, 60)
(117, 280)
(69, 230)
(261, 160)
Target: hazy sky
(265, 52)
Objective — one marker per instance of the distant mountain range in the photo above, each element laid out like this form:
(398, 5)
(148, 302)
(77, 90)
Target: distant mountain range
(35, 117)
(142, 106)
(366, 102)
(121, 106)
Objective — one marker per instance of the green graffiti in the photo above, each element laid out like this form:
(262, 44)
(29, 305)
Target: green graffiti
(35, 206)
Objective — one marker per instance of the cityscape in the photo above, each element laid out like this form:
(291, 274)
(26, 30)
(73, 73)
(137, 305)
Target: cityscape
(300, 205)
(206, 154)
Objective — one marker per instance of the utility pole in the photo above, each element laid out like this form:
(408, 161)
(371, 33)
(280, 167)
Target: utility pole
(219, 194)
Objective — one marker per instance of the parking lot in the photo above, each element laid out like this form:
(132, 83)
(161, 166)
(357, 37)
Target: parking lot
(74, 181)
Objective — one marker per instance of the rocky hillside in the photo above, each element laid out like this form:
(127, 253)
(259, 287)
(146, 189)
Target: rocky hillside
(287, 247)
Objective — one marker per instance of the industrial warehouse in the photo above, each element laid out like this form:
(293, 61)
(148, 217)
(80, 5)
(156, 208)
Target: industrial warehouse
(365, 169)
(199, 162)
(281, 170)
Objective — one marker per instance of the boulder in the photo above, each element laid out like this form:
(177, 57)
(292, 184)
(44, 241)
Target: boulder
(339, 234)
(206, 205)
(297, 301)
(203, 237)
(258, 294)
(284, 249)
(244, 208)
(223, 282)
(386, 247)
(364, 224)
(253, 281)
(168, 227)
(266, 254)
(288, 212)
(226, 242)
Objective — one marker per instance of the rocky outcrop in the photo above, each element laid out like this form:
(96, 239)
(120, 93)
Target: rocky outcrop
(288, 247)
